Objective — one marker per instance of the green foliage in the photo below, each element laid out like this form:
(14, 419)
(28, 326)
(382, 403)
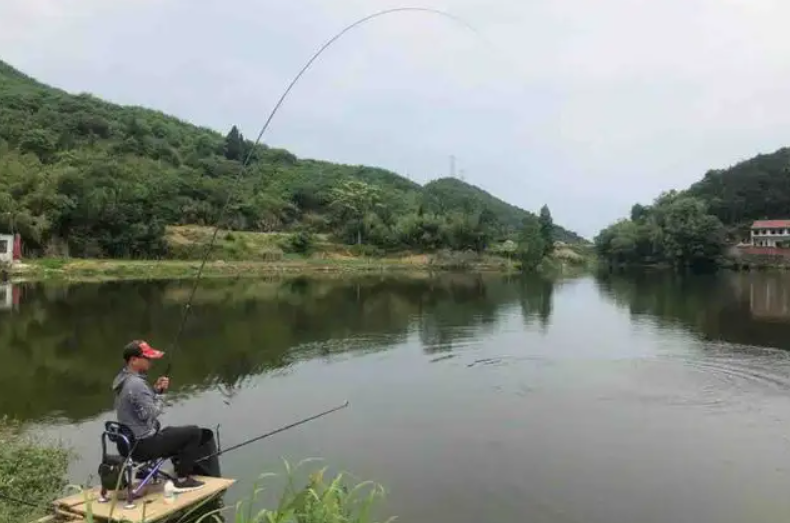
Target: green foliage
(546, 229)
(677, 230)
(755, 189)
(30, 470)
(452, 194)
(86, 178)
(531, 245)
(302, 242)
(508, 248)
(455, 260)
(320, 500)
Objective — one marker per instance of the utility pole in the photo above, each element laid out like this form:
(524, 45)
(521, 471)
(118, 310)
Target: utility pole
(452, 166)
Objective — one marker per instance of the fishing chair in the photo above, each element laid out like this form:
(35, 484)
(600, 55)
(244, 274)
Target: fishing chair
(119, 471)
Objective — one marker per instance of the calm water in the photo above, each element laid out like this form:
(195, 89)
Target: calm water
(615, 400)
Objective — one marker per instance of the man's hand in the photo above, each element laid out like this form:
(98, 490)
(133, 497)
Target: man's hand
(162, 384)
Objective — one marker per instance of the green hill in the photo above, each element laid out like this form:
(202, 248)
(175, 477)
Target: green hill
(693, 226)
(755, 189)
(82, 176)
(451, 193)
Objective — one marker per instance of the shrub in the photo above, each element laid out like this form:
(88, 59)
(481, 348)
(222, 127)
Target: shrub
(302, 242)
(455, 260)
(272, 254)
(30, 470)
(366, 250)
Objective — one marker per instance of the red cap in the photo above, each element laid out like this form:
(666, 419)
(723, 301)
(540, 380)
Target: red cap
(141, 349)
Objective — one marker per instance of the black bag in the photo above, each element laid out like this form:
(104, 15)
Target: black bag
(110, 472)
(208, 450)
(208, 447)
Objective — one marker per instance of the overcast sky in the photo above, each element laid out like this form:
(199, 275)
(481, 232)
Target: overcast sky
(588, 106)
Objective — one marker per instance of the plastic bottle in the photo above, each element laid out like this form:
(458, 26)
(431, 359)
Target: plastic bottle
(169, 492)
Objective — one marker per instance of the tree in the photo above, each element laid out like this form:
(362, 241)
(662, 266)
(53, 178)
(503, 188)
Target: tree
(531, 245)
(234, 145)
(354, 201)
(546, 230)
(692, 237)
(676, 229)
(39, 142)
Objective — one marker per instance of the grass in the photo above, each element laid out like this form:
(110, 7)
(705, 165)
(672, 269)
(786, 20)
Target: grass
(30, 470)
(319, 500)
(98, 270)
(238, 254)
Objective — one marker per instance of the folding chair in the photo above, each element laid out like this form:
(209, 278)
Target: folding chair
(119, 471)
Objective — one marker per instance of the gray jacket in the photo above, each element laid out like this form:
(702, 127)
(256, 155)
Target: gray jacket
(137, 405)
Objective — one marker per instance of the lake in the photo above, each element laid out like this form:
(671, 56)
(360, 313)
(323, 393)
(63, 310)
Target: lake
(647, 398)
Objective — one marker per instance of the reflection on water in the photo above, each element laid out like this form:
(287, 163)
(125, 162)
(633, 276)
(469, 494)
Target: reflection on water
(62, 345)
(740, 308)
(624, 398)
(9, 296)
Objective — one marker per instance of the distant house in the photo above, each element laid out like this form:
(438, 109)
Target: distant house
(769, 233)
(6, 248)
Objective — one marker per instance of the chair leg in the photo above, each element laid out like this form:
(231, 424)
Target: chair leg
(152, 474)
(130, 486)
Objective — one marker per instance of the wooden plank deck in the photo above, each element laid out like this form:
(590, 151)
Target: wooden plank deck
(152, 505)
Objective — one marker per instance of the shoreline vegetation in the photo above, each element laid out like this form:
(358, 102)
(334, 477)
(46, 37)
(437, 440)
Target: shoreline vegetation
(108, 270)
(250, 254)
(33, 474)
(708, 225)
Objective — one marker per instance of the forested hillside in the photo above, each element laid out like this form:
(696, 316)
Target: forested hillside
(755, 189)
(85, 177)
(693, 226)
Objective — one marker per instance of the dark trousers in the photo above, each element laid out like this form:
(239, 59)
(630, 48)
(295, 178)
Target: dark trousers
(184, 445)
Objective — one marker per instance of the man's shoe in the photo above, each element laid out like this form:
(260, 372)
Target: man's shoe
(187, 484)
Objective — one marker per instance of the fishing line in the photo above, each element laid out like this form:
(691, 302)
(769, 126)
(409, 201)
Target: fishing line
(174, 346)
(272, 433)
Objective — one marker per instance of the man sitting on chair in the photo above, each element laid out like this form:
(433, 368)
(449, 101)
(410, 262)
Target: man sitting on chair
(138, 406)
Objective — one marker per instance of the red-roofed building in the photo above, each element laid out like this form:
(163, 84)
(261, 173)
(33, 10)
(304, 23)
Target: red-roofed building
(769, 233)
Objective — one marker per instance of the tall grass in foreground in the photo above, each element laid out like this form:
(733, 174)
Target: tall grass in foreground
(319, 500)
(31, 470)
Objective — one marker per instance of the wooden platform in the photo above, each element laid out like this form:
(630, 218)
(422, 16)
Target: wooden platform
(152, 505)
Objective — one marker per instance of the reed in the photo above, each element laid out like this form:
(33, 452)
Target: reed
(320, 499)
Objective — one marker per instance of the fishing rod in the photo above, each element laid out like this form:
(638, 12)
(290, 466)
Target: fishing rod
(174, 346)
(272, 433)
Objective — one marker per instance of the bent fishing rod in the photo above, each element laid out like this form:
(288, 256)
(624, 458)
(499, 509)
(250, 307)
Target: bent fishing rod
(174, 346)
(272, 433)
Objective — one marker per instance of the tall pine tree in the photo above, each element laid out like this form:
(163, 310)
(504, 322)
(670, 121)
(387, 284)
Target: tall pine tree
(546, 229)
(234, 145)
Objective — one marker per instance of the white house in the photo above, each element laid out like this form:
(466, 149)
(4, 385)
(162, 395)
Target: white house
(6, 248)
(767, 233)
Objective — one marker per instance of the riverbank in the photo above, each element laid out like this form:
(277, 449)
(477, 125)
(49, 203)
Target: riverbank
(104, 270)
(99, 270)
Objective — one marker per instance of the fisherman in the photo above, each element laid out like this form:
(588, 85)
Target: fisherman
(138, 405)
